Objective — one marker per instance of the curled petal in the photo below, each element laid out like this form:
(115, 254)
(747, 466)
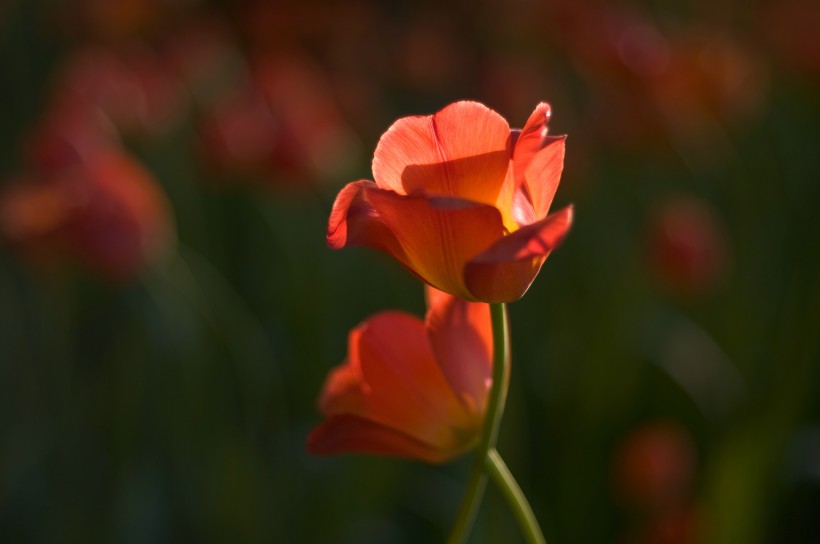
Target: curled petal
(505, 271)
(354, 222)
(353, 434)
(530, 140)
(462, 151)
(461, 336)
(543, 174)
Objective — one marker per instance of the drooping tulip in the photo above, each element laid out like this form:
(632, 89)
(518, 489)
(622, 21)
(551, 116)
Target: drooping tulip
(460, 200)
(410, 388)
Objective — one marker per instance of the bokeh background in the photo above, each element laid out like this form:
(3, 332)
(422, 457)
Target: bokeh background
(169, 309)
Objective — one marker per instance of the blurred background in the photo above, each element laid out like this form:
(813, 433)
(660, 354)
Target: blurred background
(169, 309)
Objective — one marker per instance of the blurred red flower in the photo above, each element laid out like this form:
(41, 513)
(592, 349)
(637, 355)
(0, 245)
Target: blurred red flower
(687, 246)
(460, 200)
(283, 123)
(135, 88)
(106, 212)
(655, 466)
(410, 388)
(791, 28)
(69, 132)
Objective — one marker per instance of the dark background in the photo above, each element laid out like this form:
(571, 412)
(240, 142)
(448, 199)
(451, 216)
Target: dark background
(665, 361)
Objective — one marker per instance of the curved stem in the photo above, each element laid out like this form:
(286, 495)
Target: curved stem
(492, 422)
(515, 497)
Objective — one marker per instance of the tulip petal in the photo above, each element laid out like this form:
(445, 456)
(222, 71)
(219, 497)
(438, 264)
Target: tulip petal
(431, 237)
(544, 174)
(462, 151)
(433, 296)
(354, 222)
(439, 235)
(505, 271)
(392, 378)
(461, 336)
(352, 434)
(530, 140)
(343, 391)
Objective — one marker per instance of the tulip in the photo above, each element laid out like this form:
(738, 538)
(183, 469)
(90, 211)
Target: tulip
(282, 124)
(106, 212)
(410, 388)
(655, 466)
(688, 246)
(460, 200)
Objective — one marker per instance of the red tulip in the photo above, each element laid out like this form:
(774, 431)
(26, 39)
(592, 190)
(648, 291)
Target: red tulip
(135, 88)
(410, 388)
(105, 212)
(460, 200)
(655, 466)
(282, 124)
(688, 246)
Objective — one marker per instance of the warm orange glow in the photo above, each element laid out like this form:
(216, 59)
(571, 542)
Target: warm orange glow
(460, 200)
(410, 388)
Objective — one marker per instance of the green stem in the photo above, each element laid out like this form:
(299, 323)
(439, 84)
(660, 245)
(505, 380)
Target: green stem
(492, 422)
(515, 497)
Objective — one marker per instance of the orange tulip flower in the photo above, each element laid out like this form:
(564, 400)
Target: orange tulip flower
(410, 388)
(460, 200)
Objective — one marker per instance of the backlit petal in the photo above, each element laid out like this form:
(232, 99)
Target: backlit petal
(505, 271)
(355, 222)
(544, 174)
(438, 236)
(530, 140)
(432, 296)
(462, 151)
(461, 336)
(402, 387)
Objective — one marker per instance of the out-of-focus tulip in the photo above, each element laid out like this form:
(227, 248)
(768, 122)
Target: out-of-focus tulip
(687, 246)
(710, 75)
(608, 43)
(460, 200)
(69, 133)
(283, 124)
(136, 89)
(410, 388)
(107, 213)
(791, 26)
(239, 133)
(655, 467)
(314, 140)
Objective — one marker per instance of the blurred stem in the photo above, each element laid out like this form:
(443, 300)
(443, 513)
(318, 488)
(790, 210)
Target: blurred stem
(492, 422)
(503, 478)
